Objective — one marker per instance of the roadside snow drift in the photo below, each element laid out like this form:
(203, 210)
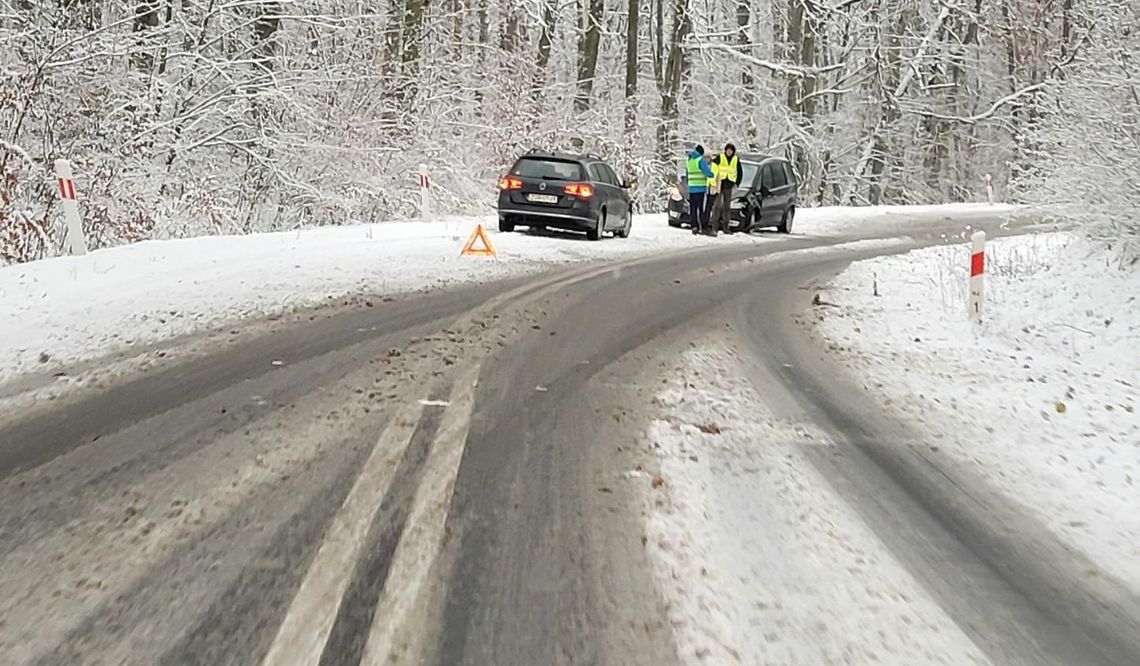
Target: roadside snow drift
(69, 309)
(75, 308)
(1042, 398)
(760, 561)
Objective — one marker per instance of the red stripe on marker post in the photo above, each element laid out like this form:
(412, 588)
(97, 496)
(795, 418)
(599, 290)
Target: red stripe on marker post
(425, 186)
(76, 243)
(67, 189)
(977, 274)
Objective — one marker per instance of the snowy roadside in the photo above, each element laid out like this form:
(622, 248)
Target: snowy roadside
(760, 561)
(70, 309)
(1042, 398)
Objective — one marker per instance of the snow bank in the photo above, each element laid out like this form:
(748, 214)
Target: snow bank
(71, 309)
(1042, 398)
(75, 308)
(760, 561)
(898, 218)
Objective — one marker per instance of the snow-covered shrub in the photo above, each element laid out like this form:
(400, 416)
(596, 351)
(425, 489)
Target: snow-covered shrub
(1088, 136)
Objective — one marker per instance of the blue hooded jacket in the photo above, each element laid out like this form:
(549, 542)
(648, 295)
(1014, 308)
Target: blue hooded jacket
(705, 169)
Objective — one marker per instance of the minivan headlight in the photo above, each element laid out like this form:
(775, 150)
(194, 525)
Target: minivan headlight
(736, 204)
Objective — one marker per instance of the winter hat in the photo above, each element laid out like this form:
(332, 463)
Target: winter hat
(700, 150)
(728, 147)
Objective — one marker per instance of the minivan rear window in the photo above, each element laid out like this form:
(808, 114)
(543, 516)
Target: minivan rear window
(547, 168)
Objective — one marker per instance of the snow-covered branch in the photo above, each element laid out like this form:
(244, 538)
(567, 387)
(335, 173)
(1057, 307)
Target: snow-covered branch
(774, 67)
(985, 115)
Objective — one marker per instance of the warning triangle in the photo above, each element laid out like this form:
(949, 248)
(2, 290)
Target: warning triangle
(479, 236)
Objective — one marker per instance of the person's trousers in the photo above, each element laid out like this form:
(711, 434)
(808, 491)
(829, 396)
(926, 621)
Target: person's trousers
(698, 211)
(721, 210)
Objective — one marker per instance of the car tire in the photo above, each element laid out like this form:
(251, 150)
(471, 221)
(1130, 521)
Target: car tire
(624, 231)
(787, 221)
(506, 226)
(596, 233)
(675, 223)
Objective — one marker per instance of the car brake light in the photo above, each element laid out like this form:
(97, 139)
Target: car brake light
(675, 193)
(508, 183)
(580, 190)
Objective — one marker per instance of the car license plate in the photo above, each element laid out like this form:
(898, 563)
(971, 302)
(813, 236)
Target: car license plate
(674, 214)
(542, 198)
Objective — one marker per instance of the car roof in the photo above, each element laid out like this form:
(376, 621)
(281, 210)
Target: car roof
(569, 157)
(758, 157)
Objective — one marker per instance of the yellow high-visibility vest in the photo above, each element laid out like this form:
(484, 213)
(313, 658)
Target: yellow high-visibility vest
(726, 169)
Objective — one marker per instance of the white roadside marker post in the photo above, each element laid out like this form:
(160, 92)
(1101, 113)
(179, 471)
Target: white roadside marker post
(425, 184)
(989, 188)
(76, 243)
(977, 274)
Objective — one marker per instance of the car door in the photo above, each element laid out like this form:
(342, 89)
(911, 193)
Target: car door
(619, 208)
(598, 180)
(770, 207)
(604, 190)
(780, 191)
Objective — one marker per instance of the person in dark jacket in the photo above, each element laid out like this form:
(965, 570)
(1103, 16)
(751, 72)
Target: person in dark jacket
(728, 172)
(697, 175)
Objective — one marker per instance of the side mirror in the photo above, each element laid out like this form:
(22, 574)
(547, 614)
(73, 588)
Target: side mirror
(764, 191)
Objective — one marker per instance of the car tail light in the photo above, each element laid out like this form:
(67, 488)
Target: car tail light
(580, 190)
(675, 193)
(507, 183)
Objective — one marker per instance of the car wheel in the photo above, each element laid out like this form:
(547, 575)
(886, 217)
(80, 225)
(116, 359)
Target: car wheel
(624, 231)
(506, 226)
(675, 222)
(787, 221)
(596, 233)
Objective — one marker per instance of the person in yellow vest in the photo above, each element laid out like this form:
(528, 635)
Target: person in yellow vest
(728, 173)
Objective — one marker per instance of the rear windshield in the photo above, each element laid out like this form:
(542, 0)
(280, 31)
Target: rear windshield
(548, 169)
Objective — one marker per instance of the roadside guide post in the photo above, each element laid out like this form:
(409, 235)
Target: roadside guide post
(989, 179)
(76, 243)
(425, 185)
(977, 274)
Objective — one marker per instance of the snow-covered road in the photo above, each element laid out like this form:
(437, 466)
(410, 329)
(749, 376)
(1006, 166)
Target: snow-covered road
(64, 310)
(762, 562)
(481, 474)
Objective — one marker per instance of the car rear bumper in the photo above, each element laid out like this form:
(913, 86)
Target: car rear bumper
(526, 216)
(569, 213)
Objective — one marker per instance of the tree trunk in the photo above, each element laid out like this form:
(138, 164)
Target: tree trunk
(674, 74)
(544, 41)
(631, 28)
(588, 55)
(265, 28)
(801, 49)
(146, 18)
(659, 42)
(633, 25)
(744, 39)
(411, 36)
